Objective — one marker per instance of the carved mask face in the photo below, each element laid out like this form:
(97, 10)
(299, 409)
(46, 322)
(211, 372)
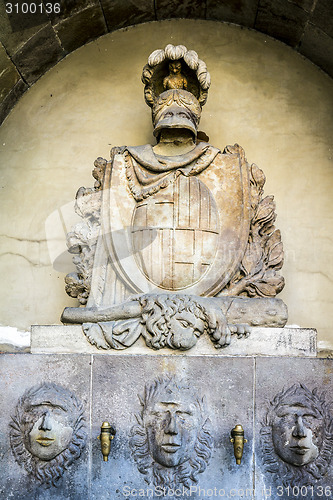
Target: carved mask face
(172, 425)
(297, 433)
(186, 328)
(51, 432)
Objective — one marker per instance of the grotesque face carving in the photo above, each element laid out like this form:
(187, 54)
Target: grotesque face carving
(173, 321)
(297, 433)
(172, 424)
(186, 328)
(172, 434)
(297, 436)
(47, 431)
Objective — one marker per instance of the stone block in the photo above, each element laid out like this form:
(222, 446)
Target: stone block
(71, 7)
(8, 76)
(166, 9)
(38, 55)
(121, 13)
(11, 98)
(322, 16)
(243, 13)
(16, 29)
(318, 47)
(20, 373)
(306, 5)
(119, 382)
(261, 342)
(81, 28)
(282, 20)
(22, 17)
(293, 423)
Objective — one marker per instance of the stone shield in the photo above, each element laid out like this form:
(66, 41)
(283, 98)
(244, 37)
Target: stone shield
(175, 234)
(190, 236)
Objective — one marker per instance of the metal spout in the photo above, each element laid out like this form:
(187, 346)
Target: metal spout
(237, 438)
(106, 436)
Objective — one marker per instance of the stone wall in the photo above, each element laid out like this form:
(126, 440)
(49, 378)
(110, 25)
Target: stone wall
(264, 96)
(57, 393)
(33, 42)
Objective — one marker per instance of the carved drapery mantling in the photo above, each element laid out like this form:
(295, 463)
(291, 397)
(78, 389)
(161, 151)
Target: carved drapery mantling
(147, 172)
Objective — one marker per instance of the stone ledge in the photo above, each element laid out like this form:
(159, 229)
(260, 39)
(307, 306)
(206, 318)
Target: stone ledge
(288, 341)
(13, 340)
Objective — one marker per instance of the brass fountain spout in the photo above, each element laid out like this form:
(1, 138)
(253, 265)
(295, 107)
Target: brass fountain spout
(237, 438)
(106, 436)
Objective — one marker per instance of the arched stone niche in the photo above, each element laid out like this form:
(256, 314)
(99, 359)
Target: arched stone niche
(264, 96)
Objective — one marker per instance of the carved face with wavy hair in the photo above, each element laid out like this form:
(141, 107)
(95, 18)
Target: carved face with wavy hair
(47, 432)
(174, 321)
(171, 443)
(299, 429)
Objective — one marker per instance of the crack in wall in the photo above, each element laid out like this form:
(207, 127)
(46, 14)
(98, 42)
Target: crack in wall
(35, 264)
(28, 240)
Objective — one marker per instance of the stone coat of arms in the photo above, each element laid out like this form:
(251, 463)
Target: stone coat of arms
(176, 239)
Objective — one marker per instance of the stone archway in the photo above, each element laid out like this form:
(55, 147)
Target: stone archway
(32, 43)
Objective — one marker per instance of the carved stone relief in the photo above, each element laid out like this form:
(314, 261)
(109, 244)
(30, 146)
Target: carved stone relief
(297, 436)
(47, 432)
(181, 217)
(174, 321)
(172, 441)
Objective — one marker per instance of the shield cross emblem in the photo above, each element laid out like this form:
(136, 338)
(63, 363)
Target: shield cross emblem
(175, 234)
(190, 236)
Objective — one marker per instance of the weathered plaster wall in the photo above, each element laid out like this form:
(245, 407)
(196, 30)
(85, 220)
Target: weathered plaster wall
(264, 96)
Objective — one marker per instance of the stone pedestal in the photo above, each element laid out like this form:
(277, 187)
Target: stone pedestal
(261, 342)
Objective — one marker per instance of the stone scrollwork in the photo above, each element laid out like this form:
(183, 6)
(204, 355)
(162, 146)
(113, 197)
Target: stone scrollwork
(82, 241)
(297, 436)
(172, 440)
(258, 274)
(47, 432)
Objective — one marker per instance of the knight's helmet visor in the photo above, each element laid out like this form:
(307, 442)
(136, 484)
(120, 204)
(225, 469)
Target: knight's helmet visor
(177, 109)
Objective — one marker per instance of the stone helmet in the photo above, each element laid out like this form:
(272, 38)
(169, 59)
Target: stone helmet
(176, 108)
